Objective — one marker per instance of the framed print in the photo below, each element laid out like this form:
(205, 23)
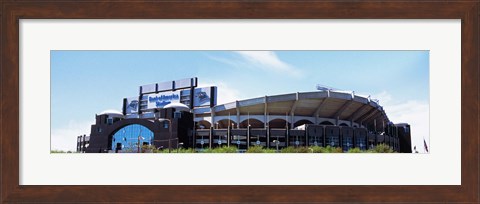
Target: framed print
(55, 59)
(246, 127)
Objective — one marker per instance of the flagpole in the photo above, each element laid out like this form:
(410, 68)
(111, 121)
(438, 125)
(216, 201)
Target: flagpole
(425, 147)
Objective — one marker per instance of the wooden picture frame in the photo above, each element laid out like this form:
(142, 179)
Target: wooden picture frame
(12, 11)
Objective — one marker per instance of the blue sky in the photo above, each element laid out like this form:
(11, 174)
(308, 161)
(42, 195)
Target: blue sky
(84, 83)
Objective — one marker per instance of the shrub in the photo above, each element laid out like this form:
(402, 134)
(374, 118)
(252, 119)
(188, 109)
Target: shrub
(383, 148)
(330, 149)
(153, 149)
(303, 150)
(355, 150)
(327, 149)
(188, 150)
(260, 149)
(147, 149)
(161, 150)
(206, 150)
(269, 150)
(223, 149)
(226, 149)
(317, 149)
(288, 150)
(255, 149)
(295, 150)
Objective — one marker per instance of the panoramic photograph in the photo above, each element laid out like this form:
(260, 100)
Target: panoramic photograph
(239, 101)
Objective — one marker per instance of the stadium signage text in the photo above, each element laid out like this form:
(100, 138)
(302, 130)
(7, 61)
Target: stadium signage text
(162, 99)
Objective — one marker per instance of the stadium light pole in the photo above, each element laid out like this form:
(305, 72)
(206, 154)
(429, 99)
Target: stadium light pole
(139, 137)
(276, 144)
(179, 144)
(138, 144)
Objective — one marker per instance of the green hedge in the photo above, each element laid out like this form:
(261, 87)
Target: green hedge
(381, 148)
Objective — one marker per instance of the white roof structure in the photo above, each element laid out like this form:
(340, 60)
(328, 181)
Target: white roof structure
(178, 106)
(112, 113)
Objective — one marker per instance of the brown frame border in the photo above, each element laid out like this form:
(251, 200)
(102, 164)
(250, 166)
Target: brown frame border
(12, 11)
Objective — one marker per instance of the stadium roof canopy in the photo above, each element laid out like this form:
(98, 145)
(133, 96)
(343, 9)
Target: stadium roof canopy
(340, 105)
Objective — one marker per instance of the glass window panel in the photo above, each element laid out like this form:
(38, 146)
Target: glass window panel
(130, 136)
(360, 143)
(315, 141)
(333, 141)
(347, 143)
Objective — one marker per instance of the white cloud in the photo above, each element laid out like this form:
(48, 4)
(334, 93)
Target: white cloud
(265, 60)
(413, 112)
(226, 94)
(65, 138)
(231, 62)
(383, 97)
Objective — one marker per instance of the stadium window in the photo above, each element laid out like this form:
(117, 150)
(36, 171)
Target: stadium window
(177, 115)
(347, 142)
(109, 121)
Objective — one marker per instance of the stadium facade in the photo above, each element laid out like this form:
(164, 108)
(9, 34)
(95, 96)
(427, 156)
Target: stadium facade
(178, 113)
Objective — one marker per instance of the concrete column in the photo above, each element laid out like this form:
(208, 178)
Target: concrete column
(265, 114)
(228, 135)
(210, 138)
(324, 136)
(248, 137)
(292, 120)
(238, 115)
(287, 137)
(212, 115)
(268, 137)
(193, 131)
(306, 138)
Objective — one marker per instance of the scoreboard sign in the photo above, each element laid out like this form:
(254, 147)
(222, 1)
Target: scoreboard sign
(206, 96)
(131, 105)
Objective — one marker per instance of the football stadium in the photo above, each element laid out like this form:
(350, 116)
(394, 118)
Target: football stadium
(179, 114)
